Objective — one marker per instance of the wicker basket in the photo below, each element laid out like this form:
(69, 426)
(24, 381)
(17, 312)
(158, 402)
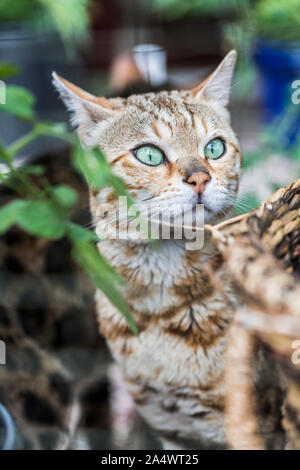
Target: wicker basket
(262, 253)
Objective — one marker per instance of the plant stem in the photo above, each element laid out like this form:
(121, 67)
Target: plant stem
(26, 139)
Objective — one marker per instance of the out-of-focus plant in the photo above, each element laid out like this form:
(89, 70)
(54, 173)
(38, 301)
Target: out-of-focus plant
(174, 9)
(267, 168)
(276, 19)
(69, 17)
(238, 37)
(268, 19)
(46, 211)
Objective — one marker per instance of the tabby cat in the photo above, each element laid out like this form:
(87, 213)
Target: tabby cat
(170, 148)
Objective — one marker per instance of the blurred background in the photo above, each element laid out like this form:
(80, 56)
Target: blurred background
(119, 47)
(91, 42)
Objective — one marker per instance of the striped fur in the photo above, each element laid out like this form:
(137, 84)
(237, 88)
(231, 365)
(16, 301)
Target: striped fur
(174, 369)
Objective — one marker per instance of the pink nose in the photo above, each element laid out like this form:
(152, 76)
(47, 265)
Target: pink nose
(198, 181)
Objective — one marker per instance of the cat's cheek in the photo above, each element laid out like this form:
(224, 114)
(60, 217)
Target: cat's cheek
(213, 199)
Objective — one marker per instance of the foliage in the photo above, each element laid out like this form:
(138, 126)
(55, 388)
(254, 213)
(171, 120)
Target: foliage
(69, 17)
(268, 164)
(276, 19)
(268, 19)
(174, 9)
(46, 212)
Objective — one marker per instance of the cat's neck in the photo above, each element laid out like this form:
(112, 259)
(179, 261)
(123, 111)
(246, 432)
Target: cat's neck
(155, 263)
(161, 278)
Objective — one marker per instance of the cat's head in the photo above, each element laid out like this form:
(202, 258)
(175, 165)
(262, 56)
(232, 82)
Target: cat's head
(170, 148)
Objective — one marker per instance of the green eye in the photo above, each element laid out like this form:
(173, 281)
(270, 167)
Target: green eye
(149, 155)
(214, 149)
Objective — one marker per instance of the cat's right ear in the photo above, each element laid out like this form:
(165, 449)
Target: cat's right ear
(86, 110)
(217, 86)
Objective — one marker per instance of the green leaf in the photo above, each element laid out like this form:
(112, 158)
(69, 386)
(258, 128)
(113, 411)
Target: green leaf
(96, 262)
(65, 195)
(41, 218)
(70, 17)
(58, 130)
(32, 170)
(93, 168)
(118, 185)
(103, 277)
(8, 70)
(9, 213)
(80, 234)
(3, 151)
(97, 171)
(17, 10)
(19, 102)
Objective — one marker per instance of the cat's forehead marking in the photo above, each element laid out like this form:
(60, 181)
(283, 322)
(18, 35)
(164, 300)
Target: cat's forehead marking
(171, 120)
(172, 113)
(200, 124)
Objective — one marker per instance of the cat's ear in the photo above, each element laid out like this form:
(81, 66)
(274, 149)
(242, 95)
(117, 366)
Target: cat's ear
(86, 110)
(217, 86)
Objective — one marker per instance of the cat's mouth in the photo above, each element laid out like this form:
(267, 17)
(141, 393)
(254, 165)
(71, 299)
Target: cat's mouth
(198, 205)
(200, 202)
(180, 217)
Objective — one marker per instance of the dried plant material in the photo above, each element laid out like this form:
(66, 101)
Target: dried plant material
(242, 426)
(262, 253)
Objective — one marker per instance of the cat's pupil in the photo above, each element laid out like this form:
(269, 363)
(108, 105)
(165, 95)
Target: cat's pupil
(214, 149)
(149, 155)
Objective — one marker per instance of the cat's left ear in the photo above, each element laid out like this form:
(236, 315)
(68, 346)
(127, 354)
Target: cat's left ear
(217, 86)
(87, 110)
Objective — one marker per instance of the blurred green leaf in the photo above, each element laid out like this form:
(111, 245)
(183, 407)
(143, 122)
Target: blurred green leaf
(41, 218)
(70, 18)
(8, 70)
(118, 185)
(19, 102)
(276, 19)
(80, 234)
(16, 10)
(3, 152)
(58, 130)
(45, 212)
(65, 195)
(97, 171)
(9, 213)
(96, 263)
(174, 9)
(103, 277)
(93, 168)
(33, 170)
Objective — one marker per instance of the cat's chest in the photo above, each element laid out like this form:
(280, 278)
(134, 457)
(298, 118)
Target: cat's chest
(176, 363)
(158, 272)
(181, 318)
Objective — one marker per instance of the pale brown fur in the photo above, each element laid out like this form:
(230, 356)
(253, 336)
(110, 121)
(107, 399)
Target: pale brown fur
(174, 368)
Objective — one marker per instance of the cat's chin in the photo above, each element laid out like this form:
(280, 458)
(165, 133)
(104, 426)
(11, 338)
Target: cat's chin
(209, 216)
